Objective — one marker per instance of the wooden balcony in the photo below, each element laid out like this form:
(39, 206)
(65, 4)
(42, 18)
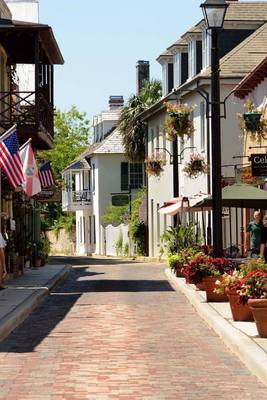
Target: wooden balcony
(76, 200)
(32, 114)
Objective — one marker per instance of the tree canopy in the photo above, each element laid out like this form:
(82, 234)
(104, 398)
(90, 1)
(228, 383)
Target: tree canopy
(132, 128)
(72, 134)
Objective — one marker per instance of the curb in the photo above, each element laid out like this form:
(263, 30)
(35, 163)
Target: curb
(13, 319)
(254, 358)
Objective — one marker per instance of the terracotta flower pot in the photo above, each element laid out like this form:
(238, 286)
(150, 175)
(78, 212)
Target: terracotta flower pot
(179, 273)
(200, 286)
(259, 311)
(240, 312)
(209, 282)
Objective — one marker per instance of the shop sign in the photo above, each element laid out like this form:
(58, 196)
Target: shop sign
(120, 200)
(48, 196)
(259, 164)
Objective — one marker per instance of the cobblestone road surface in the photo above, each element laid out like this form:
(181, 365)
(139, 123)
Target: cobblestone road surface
(118, 331)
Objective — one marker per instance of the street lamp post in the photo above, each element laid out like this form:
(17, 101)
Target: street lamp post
(214, 13)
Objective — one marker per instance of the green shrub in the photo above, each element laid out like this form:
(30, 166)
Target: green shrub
(119, 244)
(126, 250)
(115, 215)
(137, 228)
(180, 237)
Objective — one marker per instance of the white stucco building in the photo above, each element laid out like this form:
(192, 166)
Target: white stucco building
(186, 77)
(99, 174)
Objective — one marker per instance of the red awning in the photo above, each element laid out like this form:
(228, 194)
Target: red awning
(181, 204)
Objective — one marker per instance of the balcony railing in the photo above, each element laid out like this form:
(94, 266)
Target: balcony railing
(76, 200)
(26, 109)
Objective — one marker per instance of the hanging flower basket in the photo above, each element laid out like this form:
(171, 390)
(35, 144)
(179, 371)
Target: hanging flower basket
(252, 122)
(196, 166)
(178, 121)
(155, 164)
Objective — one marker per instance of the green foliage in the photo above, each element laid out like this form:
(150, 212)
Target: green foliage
(137, 228)
(114, 215)
(126, 250)
(173, 259)
(72, 133)
(66, 222)
(119, 244)
(132, 128)
(43, 247)
(180, 237)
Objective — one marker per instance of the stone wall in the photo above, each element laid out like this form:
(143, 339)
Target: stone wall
(63, 245)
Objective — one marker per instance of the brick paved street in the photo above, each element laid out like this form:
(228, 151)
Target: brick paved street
(119, 331)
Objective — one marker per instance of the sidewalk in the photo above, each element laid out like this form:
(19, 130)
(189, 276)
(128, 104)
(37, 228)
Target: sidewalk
(25, 293)
(241, 337)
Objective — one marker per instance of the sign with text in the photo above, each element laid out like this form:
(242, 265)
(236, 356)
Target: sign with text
(259, 164)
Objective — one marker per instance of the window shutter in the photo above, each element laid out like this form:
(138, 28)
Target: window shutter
(124, 176)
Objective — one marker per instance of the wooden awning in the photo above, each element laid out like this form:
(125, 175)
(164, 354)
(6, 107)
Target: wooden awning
(19, 40)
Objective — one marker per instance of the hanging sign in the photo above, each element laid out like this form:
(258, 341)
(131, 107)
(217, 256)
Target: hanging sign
(259, 164)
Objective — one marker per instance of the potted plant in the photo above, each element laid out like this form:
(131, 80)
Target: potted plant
(178, 121)
(252, 122)
(230, 284)
(155, 164)
(179, 260)
(254, 291)
(208, 270)
(196, 166)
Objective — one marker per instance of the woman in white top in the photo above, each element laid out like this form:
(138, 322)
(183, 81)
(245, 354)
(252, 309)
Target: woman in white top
(2, 261)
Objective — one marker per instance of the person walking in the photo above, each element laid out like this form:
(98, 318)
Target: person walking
(3, 271)
(253, 234)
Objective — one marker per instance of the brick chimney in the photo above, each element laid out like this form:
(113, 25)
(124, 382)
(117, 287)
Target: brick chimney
(115, 102)
(142, 74)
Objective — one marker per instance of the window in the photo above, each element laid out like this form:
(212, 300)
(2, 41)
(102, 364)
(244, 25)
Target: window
(124, 176)
(136, 175)
(132, 174)
(202, 126)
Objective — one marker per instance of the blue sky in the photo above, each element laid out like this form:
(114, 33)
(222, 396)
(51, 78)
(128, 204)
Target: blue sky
(102, 40)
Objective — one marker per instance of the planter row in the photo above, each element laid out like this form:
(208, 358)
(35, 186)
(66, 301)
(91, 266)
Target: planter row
(254, 310)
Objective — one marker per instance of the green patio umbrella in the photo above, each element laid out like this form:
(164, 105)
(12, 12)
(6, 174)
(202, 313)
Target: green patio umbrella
(238, 195)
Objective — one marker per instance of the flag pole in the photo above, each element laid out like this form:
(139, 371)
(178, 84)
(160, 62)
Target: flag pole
(25, 144)
(7, 133)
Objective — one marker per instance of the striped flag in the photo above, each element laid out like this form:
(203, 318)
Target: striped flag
(31, 184)
(10, 160)
(46, 176)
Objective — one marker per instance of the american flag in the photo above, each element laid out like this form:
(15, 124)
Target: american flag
(45, 175)
(10, 160)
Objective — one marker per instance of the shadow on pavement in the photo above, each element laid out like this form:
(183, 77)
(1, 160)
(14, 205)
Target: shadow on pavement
(81, 280)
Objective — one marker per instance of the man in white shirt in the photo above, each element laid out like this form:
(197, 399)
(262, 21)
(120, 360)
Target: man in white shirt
(3, 271)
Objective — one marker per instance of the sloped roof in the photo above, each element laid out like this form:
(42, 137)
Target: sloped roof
(78, 164)
(111, 145)
(251, 80)
(249, 11)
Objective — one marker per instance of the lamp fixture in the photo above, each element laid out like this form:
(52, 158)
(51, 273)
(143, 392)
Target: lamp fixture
(214, 13)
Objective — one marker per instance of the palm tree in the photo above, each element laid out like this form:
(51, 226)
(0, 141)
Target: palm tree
(132, 128)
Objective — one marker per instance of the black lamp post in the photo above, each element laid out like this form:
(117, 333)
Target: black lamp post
(214, 13)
